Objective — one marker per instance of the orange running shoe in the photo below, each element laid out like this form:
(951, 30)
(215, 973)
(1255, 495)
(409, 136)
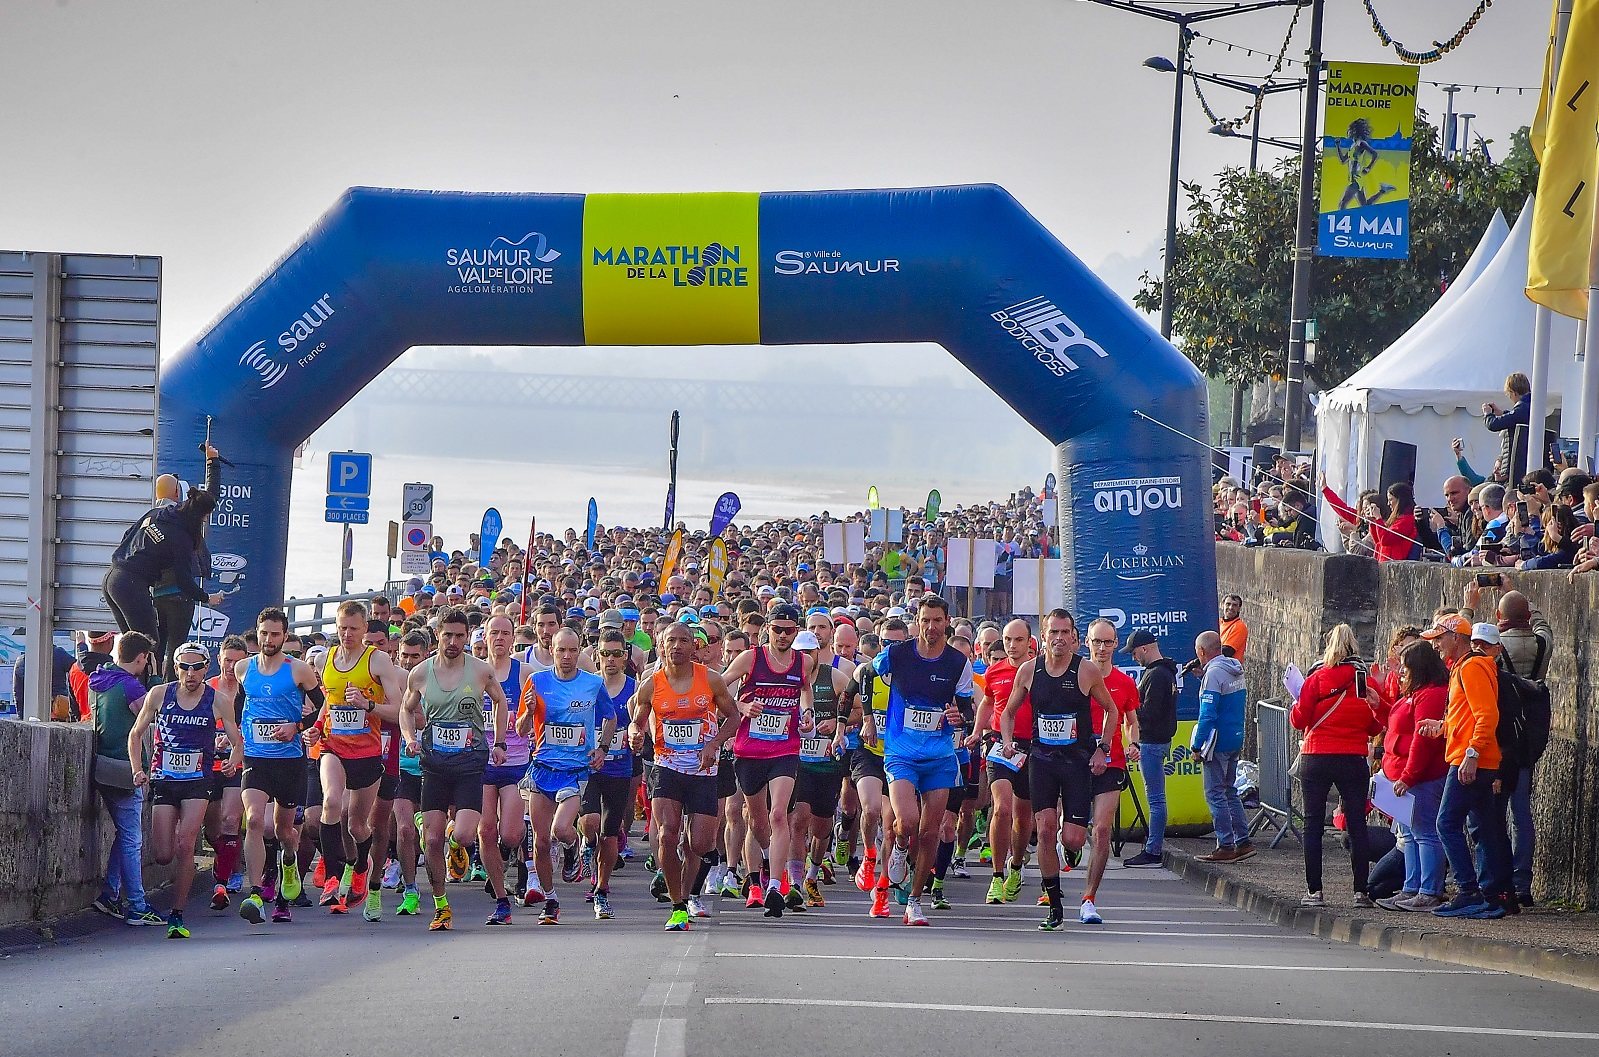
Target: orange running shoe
(880, 902)
(330, 892)
(358, 887)
(319, 876)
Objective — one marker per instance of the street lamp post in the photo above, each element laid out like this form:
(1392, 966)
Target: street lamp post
(1304, 241)
(1182, 20)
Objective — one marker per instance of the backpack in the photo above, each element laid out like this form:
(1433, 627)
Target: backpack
(1524, 717)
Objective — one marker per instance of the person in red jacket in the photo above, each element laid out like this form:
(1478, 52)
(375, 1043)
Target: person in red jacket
(1338, 721)
(1395, 540)
(1416, 767)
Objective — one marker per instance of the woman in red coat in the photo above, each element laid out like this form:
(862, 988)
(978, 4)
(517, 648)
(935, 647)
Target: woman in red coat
(1395, 539)
(1338, 723)
(1416, 765)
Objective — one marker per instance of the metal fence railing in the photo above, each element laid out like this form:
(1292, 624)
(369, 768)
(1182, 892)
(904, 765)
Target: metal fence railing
(1274, 748)
(324, 610)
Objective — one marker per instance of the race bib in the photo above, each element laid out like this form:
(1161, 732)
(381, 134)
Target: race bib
(770, 726)
(565, 735)
(1056, 730)
(348, 721)
(265, 731)
(180, 764)
(386, 739)
(681, 734)
(1015, 763)
(450, 737)
(816, 749)
(923, 720)
(619, 741)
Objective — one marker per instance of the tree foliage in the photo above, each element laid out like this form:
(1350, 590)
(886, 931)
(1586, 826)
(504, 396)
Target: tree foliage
(1234, 263)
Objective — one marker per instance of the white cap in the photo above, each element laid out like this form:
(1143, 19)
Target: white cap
(806, 640)
(895, 611)
(1488, 633)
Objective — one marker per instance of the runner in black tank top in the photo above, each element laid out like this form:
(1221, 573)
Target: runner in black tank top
(1066, 754)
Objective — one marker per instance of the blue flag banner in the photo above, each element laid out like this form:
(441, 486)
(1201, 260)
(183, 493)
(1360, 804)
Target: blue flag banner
(671, 507)
(727, 508)
(594, 522)
(488, 535)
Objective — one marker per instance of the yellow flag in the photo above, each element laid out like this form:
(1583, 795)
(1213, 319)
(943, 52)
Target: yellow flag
(1562, 214)
(1540, 120)
(669, 563)
(717, 564)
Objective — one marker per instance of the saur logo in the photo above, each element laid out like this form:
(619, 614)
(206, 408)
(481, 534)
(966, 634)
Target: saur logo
(1048, 333)
(504, 266)
(268, 365)
(710, 265)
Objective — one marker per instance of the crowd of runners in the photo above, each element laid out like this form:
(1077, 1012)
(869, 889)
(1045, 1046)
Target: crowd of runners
(527, 724)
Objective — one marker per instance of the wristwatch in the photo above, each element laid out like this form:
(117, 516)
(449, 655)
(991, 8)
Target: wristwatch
(1472, 754)
(499, 745)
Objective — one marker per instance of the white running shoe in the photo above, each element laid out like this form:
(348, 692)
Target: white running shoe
(1088, 914)
(913, 912)
(896, 866)
(696, 909)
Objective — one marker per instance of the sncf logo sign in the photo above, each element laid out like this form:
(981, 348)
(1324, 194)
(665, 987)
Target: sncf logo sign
(1048, 333)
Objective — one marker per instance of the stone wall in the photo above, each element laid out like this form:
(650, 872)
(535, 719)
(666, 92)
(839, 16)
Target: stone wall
(1291, 598)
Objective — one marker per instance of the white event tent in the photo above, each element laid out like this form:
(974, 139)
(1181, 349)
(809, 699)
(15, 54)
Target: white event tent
(1429, 385)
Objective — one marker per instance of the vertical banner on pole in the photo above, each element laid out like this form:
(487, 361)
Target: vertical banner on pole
(527, 570)
(716, 566)
(593, 523)
(671, 480)
(488, 536)
(674, 550)
(871, 498)
(934, 500)
(727, 508)
(1367, 122)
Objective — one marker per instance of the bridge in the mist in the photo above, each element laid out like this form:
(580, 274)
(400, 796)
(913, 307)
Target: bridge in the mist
(720, 418)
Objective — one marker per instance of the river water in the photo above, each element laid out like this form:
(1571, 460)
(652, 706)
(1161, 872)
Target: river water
(558, 495)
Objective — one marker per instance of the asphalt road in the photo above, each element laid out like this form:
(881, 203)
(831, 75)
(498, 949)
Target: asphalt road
(1170, 972)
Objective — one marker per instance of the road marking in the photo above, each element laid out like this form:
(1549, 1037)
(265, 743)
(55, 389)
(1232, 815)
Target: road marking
(1138, 1014)
(1119, 963)
(656, 1038)
(1086, 930)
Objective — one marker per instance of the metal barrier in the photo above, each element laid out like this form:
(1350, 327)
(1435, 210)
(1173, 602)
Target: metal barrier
(1276, 784)
(318, 619)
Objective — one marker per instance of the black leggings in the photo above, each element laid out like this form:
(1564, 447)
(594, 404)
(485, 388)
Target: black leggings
(1352, 775)
(130, 602)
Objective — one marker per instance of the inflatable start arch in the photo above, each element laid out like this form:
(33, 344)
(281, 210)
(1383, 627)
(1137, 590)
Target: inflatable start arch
(965, 267)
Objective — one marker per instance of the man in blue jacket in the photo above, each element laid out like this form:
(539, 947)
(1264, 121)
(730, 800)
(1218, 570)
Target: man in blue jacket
(1218, 739)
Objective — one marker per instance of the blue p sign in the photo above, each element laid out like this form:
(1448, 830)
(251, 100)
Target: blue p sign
(349, 473)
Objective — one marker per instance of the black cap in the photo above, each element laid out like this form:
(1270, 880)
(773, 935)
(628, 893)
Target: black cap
(784, 611)
(1141, 637)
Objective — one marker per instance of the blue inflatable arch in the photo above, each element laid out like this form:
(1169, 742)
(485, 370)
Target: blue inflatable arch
(966, 267)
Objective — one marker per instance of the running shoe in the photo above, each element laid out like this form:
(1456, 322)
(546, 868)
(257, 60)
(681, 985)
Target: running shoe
(1312, 899)
(1142, 861)
(459, 862)
(902, 891)
(880, 903)
(696, 909)
(827, 873)
(253, 909)
(996, 891)
(841, 853)
(658, 888)
(236, 882)
(289, 884)
(477, 873)
(219, 898)
(678, 922)
(649, 861)
(813, 893)
(280, 912)
(502, 913)
(602, 905)
(730, 885)
(897, 862)
(939, 902)
(175, 929)
(1364, 901)
(391, 876)
(532, 897)
(1088, 914)
(866, 876)
(1043, 899)
(269, 890)
(357, 887)
(985, 856)
(442, 921)
(109, 906)
(913, 913)
(586, 866)
(319, 876)
(958, 867)
(570, 870)
(773, 902)
(147, 916)
(753, 899)
(794, 901)
(373, 911)
(339, 906)
(408, 904)
(1491, 909)
(1012, 888)
(1073, 857)
(977, 840)
(1054, 921)
(551, 915)
(300, 899)
(330, 892)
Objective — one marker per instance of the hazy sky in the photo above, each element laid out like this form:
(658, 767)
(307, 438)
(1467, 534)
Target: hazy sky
(212, 132)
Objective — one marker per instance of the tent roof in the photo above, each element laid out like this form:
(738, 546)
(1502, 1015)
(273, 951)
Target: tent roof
(1458, 354)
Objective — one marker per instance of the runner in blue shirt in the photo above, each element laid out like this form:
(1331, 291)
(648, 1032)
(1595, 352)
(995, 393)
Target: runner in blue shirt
(608, 796)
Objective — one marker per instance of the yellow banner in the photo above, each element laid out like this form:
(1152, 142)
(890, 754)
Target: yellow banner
(1540, 120)
(1368, 120)
(669, 563)
(1562, 213)
(671, 269)
(716, 567)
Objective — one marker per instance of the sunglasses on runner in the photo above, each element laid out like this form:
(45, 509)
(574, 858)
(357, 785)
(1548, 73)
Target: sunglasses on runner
(193, 666)
(613, 653)
(783, 629)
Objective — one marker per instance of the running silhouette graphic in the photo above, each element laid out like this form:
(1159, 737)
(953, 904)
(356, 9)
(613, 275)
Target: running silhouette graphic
(1361, 158)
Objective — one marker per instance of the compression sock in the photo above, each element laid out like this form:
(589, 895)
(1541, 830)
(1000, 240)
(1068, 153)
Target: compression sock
(273, 849)
(227, 858)
(1052, 890)
(707, 861)
(332, 851)
(363, 854)
(946, 852)
(440, 902)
